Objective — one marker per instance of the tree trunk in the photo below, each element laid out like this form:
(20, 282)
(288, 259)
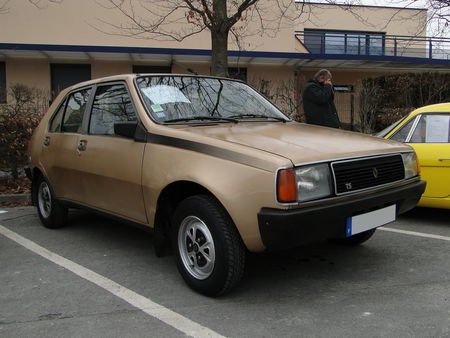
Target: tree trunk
(219, 50)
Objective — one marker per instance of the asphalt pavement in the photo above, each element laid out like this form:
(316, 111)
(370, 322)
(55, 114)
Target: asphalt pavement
(99, 278)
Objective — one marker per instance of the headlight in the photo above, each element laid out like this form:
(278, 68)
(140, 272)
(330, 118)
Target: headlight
(304, 183)
(411, 164)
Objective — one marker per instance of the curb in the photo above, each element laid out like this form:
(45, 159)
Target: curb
(15, 198)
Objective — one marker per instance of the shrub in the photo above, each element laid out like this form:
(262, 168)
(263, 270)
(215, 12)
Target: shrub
(387, 98)
(18, 119)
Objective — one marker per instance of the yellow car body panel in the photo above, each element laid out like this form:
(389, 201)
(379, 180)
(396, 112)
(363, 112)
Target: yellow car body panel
(434, 158)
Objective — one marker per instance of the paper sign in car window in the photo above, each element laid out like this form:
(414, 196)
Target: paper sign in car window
(437, 128)
(162, 94)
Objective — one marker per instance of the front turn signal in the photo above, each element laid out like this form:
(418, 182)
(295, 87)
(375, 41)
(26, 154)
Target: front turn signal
(286, 186)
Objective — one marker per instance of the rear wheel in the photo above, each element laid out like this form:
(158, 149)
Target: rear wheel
(51, 212)
(209, 252)
(355, 239)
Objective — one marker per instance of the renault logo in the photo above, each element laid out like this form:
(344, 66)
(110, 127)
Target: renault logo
(375, 172)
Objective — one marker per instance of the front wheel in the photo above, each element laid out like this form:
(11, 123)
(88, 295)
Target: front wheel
(209, 252)
(51, 212)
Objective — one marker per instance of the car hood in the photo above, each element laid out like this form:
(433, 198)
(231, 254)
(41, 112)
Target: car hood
(297, 142)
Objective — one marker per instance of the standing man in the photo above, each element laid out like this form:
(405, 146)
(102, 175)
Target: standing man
(318, 101)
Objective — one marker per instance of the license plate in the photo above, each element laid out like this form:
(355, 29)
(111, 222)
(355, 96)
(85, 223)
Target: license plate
(370, 220)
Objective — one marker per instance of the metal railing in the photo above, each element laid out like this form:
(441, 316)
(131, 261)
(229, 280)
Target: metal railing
(354, 43)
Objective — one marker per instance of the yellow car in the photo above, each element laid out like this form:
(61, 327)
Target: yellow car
(427, 130)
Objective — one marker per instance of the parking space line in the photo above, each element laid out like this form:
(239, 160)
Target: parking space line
(418, 234)
(175, 320)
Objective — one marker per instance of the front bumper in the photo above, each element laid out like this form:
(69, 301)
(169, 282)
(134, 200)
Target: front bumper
(283, 229)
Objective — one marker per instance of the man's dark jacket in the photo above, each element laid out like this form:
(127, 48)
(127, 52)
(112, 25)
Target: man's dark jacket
(318, 104)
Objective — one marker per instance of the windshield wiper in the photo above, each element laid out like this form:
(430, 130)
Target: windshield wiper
(239, 116)
(200, 118)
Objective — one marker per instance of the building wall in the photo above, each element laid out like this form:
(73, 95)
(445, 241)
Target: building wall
(87, 22)
(32, 73)
(81, 22)
(392, 21)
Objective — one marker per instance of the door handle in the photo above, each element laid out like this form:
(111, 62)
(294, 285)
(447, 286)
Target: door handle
(82, 145)
(443, 159)
(46, 141)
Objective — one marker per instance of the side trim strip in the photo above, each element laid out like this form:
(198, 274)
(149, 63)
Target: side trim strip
(209, 150)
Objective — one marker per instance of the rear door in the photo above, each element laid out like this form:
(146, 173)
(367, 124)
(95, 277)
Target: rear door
(59, 156)
(430, 138)
(111, 165)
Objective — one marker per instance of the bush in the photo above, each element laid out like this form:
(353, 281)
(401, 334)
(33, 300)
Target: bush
(17, 122)
(385, 99)
(389, 116)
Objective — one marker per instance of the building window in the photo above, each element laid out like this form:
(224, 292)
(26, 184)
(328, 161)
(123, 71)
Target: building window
(64, 75)
(344, 42)
(143, 69)
(2, 82)
(238, 73)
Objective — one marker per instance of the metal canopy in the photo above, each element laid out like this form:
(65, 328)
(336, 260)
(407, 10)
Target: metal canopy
(61, 53)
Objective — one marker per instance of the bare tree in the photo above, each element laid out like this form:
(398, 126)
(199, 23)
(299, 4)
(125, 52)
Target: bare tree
(4, 7)
(438, 20)
(285, 93)
(369, 105)
(41, 4)
(179, 19)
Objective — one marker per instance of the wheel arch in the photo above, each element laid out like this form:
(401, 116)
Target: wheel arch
(169, 199)
(36, 173)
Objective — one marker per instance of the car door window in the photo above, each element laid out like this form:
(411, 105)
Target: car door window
(403, 132)
(55, 124)
(76, 106)
(111, 104)
(432, 128)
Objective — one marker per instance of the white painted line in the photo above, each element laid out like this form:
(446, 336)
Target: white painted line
(153, 309)
(3, 211)
(418, 234)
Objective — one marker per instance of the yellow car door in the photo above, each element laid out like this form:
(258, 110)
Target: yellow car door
(435, 168)
(430, 139)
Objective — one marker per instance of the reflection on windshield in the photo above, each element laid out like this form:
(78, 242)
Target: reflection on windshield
(182, 98)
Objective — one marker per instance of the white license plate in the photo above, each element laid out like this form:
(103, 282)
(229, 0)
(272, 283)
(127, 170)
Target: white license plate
(370, 220)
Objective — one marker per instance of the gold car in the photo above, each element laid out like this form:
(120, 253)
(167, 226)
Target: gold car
(215, 169)
(427, 130)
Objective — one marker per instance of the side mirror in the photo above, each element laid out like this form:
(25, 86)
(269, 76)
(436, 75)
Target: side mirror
(132, 130)
(125, 129)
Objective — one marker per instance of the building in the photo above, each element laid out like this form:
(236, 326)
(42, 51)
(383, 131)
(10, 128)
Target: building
(60, 44)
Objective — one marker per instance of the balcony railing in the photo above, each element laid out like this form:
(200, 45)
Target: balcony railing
(329, 43)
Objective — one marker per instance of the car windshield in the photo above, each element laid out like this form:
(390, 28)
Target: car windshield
(388, 129)
(180, 99)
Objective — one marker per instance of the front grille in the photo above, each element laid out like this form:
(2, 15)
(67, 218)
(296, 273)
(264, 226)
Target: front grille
(361, 174)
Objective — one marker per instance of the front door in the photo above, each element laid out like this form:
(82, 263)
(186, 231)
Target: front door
(430, 140)
(111, 165)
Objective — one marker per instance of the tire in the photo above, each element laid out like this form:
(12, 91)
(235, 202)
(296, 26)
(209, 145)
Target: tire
(209, 252)
(51, 212)
(355, 239)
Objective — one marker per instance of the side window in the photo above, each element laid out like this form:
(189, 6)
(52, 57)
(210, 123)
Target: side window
(111, 104)
(76, 105)
(55, 124)
(432, 129)
(403, 132)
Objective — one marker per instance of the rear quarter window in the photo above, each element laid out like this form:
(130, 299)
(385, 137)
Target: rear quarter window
(55, 123)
